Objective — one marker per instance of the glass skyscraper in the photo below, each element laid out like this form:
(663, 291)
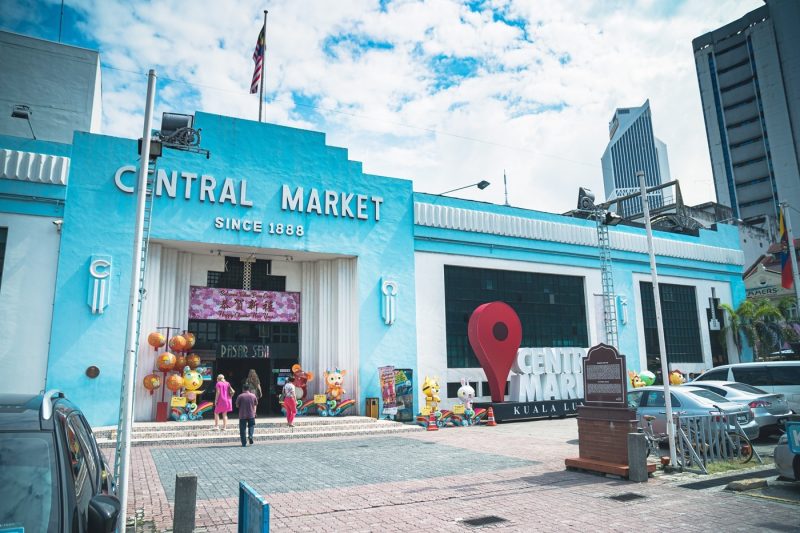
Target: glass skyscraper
(633, 147)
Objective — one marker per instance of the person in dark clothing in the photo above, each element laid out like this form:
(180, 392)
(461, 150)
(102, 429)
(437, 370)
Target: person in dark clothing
(246, 403)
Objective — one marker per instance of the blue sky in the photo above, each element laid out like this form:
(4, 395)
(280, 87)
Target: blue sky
(439, 91)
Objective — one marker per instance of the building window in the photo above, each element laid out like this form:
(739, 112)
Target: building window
(233, 276)
(681, 325)
(3, 240)
(551, 308)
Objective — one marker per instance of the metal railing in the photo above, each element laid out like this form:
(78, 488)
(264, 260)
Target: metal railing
(705, 439)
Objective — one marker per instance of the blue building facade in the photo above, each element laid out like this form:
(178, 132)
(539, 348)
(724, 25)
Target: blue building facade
(383, 275)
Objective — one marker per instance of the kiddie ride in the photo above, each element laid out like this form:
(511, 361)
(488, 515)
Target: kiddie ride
(462, 415)
(334, 404)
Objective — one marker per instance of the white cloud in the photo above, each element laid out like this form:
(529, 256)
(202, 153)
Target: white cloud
(617, 55)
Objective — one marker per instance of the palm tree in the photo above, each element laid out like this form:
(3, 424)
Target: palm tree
(761, 323)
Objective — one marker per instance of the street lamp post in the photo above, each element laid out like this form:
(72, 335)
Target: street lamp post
(481, 185)
(662, 347)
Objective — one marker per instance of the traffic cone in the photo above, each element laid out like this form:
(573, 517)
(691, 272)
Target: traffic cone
(490, 417)
(432, 424)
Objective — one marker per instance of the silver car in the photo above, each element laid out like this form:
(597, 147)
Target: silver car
(688, 400)
(786, 461)
(769, 410)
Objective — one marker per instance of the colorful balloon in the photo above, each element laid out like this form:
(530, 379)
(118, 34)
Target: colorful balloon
(178, 343)
(156, 339)
(174, 382)
(151, 382)
(647, 377)
(193, 361)
(166, 362)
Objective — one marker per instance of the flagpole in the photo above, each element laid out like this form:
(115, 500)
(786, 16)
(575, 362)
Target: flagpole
(792, 252)
(263, 60)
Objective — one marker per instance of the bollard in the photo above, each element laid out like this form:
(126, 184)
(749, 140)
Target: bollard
(637, 457)
(185, 502)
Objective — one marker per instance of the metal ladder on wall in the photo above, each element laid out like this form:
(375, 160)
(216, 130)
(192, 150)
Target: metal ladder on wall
(148, 212)
(607, 280)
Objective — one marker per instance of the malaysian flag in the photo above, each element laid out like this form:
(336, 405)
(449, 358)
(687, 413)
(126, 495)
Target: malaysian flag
(258, 59)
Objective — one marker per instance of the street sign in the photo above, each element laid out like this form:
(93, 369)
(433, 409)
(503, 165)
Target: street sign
(793, 434)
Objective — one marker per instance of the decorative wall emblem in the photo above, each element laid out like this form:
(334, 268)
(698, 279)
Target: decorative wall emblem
(99, 283)
(389, 307)
(623, 304)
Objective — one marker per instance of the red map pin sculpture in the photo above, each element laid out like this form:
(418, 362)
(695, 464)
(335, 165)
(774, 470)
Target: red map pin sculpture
(495, 334)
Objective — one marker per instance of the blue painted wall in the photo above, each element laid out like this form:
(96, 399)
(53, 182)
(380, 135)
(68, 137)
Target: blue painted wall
(625, 264)
(98, 219)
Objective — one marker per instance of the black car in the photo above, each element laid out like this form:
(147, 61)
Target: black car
(52, 475)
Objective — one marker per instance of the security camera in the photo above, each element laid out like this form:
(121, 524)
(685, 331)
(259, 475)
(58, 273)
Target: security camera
(57, 224)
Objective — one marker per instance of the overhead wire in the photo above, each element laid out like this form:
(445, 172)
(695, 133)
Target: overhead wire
(367, 118)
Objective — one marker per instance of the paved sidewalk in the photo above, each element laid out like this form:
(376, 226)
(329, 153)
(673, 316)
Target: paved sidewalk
(511, 476)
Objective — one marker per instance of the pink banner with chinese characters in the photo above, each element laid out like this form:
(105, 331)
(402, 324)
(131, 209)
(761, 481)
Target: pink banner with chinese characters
(247, 306)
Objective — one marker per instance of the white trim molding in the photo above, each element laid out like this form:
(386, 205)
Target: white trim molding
(446, 217)
(38, 168)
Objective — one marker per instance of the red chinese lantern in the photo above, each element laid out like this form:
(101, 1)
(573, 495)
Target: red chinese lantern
(156, 339)
(178, 343)
(190, 340)
(151, 382)
(174, 382)
(165, 362)
(180, 363)
(193, 361)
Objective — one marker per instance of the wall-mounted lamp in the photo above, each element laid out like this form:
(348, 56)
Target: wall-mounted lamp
(23, 112)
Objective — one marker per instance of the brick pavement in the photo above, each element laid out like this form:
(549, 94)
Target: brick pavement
(433, 481)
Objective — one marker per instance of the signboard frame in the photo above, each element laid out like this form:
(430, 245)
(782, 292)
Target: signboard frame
(603, 357)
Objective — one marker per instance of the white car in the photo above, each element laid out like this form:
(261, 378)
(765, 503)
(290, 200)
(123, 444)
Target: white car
(786, 461)
(769, 410)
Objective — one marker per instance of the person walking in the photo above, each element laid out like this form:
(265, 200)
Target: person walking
(246, 403)
(254, 383)
(222, 402)
(290, 401)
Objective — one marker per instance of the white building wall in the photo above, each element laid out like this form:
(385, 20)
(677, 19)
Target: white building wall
(26, 300)
(431, 327)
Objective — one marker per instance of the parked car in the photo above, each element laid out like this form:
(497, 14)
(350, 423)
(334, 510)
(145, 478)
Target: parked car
(778, 377)
(52, 475)
(688, 400)
(769, 410)
(786, 461)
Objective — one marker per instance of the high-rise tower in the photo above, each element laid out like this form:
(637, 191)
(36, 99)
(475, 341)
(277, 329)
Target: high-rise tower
(633, 147)
(749, 76)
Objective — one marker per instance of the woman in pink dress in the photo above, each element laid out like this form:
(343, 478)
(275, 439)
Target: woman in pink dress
(222, 402)
(290, 401)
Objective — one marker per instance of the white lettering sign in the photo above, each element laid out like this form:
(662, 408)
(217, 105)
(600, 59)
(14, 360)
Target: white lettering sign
(342, 205)
(544, 374)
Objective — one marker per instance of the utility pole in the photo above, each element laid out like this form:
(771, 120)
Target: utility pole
(131, 342)
(505, 186)
(662, 346)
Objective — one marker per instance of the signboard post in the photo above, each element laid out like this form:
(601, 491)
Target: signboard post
(604, 420)
(253, 511)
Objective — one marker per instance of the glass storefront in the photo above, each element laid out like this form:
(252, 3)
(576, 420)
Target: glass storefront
(552, 308)
(681, 325)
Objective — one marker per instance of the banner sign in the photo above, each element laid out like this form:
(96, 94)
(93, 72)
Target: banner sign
(207, 303)
(386, 375)
(524, 410)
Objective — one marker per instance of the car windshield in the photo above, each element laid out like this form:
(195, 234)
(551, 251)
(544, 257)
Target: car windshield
(744, 387)
(710, 396)
(28, 494)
